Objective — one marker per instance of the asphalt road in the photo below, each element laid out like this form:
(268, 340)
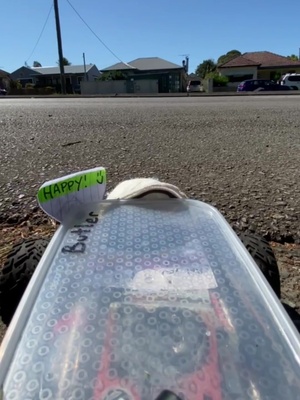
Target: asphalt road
(241, 154)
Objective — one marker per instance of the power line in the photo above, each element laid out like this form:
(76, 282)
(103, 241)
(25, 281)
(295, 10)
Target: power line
(39, 38)
(100, 40)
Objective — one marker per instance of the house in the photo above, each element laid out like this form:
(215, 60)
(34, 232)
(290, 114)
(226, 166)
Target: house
(192, 76)
(150, 74)
(4, 79)
(50, 76)
(257, 65)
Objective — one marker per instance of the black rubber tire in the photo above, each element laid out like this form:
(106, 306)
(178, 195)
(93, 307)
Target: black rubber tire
(293, 314)
(263, 255)
(17, 271)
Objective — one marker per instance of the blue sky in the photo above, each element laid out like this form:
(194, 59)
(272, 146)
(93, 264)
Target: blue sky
(147, 28)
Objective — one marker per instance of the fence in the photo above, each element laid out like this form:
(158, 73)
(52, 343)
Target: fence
(120, 87)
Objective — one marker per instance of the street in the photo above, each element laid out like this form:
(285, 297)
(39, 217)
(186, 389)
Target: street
(241, 154)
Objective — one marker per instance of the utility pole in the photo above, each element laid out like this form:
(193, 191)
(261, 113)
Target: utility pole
(185, 63)
(60, 51)
(85, 74)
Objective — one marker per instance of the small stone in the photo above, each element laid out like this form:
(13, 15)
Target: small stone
(231, 206)
(252, 228)
(290, 303)
(278, 216)
(284, 274)
(21, 196)
(280, 203)
(13, 219)
(297, 263)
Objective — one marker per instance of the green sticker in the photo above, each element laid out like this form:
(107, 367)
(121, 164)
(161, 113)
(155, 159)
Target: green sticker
(73, 184)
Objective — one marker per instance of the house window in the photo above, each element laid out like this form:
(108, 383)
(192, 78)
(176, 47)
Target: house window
(24, 81)
(79, 79)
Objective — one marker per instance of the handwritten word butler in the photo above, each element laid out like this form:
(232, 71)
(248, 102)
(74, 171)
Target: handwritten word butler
(82, 231)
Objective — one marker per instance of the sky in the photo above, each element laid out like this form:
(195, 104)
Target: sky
(146, 28)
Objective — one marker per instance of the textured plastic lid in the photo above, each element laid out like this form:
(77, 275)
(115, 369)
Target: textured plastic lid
(139, 297)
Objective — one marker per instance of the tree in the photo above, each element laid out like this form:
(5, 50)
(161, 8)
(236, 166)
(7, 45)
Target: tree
(228, 56)
(218, 80)
(36, 64)
(65, 61)
(112, 76)
(293, 57)
(205, 68)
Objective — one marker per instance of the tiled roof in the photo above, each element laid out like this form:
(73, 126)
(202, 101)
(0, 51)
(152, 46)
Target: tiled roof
(119, 66)
(268, 59)
(69, 69)
(3, 74)
(239, 61)
(262, 59)
(145, 64)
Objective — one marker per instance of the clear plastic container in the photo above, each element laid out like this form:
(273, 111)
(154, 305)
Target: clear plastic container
(137, 297)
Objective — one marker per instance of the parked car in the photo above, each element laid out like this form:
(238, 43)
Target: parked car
(3, 92)
(252, 85)
(194, 86)
(292, 80)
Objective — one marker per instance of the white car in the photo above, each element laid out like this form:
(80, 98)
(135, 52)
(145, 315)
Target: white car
(292, 80)
(194, 86)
